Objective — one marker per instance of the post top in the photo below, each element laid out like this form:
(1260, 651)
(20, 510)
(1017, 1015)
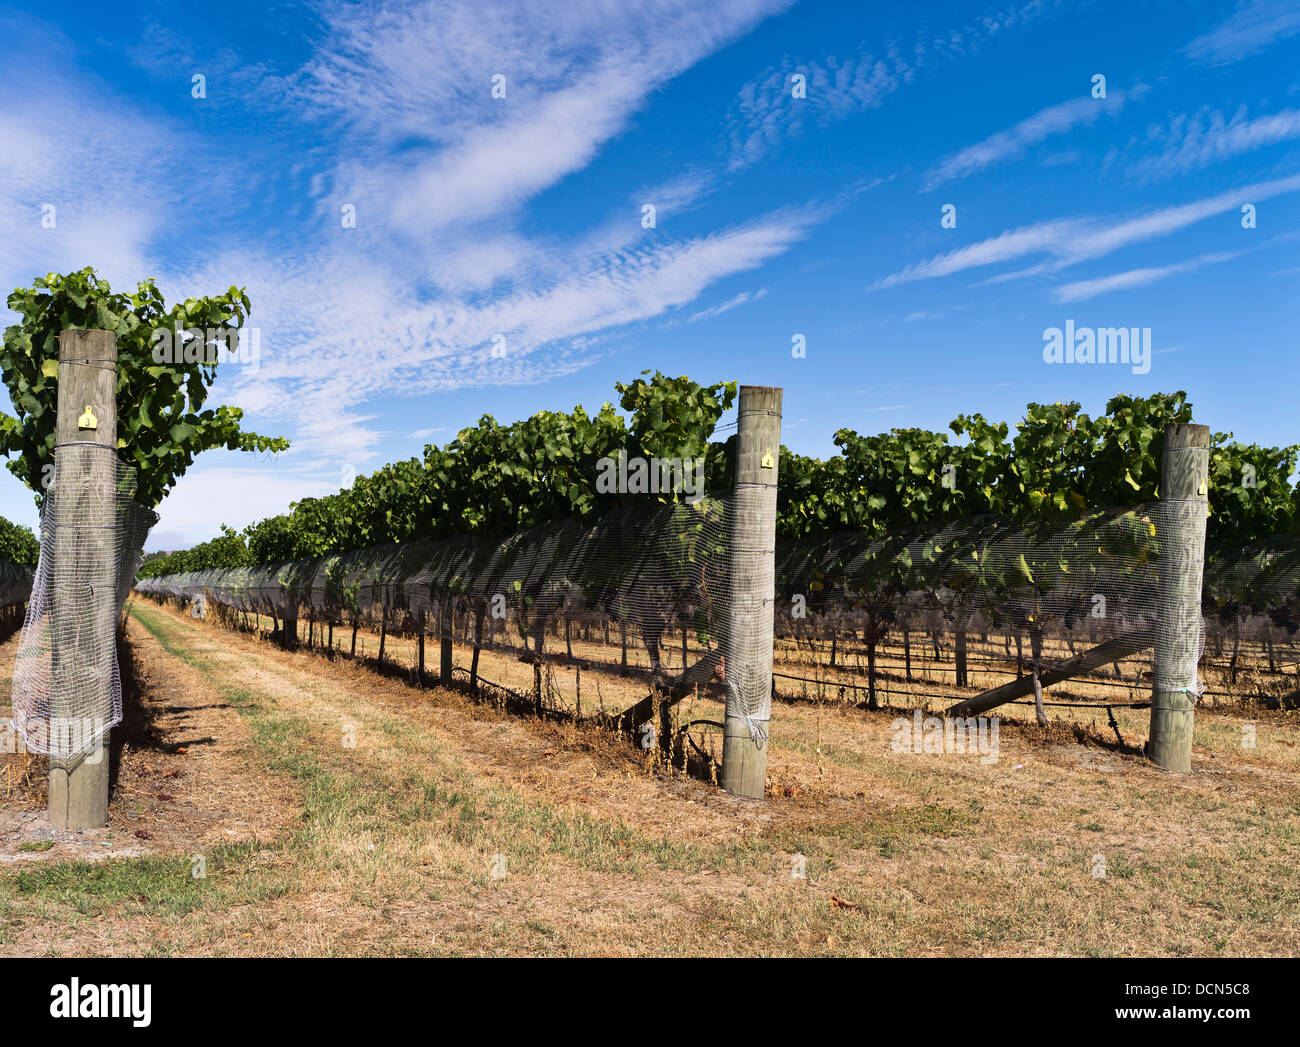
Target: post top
(759, 398)
(88, 344)
(1187, 434)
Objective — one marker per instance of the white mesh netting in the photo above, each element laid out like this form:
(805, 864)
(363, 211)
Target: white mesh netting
(67, 693)
(648, 597)
(659, 578)
(1088, 581)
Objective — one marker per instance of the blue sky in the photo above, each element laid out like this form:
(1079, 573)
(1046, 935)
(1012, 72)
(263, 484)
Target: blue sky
(775, 215)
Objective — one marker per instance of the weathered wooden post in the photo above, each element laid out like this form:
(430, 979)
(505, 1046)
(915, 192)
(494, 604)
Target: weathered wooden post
(753, 587)
(289, 624)
(1181, 529)
(419, 646)
(444, 664)
(84, 590)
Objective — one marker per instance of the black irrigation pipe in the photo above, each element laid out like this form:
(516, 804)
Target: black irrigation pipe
(949, 697)
(922, 664)
(584, 663)
(484, 680)
(991, 672)
(1070, 705)
(1229, 694)
(853, 645)
(861, 687)
(561, 660)
(1087, 705)
(1094, 677)
(684, 731)
(921, 641)
(975, 660)
(850, 648)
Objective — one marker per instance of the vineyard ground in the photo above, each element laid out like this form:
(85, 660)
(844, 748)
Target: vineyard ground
(315, 848)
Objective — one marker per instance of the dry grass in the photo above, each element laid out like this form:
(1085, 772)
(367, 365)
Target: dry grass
(20, 771)
(19, 776)
(394, 845)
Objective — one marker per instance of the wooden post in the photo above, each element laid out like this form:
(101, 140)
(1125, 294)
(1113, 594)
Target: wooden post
(753, 586)
(419, 626)
(84, 597)
(289, 629)
(444, 666)
(478, 646)
(961, 679)
(1183, 509)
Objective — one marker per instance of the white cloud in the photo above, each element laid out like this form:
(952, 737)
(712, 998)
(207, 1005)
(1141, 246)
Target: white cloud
(1080, 290)
(337, 330)
(65, 148)
(1053, 120)
(766, 113)
(1207, 137)
(411, 300)
(1073, 240)
(1015, 243)
(1254, 26)
(573, 79)
(236, 495)
(676, 195)
(1169, 220)
(743, 298)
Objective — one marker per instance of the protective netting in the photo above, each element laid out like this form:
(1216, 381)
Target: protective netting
(589, 614)
(1254, 591)
(15, 583)
(67, 693)
(659, 578)
(1053, 587)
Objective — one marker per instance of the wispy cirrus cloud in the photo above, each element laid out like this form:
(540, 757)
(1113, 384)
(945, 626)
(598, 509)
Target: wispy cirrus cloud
(1081, 290)
(1256, 25)
(572, 79)
(743, 298)
(1071, 240)
(73, 163)
(1015, 140)
(235, 493)
(1190, 142)
(1015, 243)
(766, 114)
(411, 346)
(445, 185)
